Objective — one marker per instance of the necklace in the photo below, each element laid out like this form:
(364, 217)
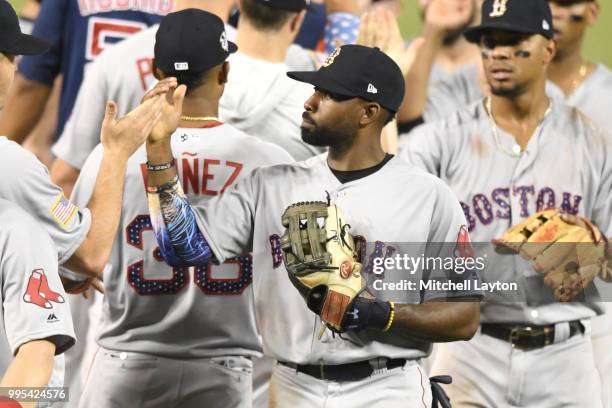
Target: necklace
(200, 118)
(516, 149)
(582, 73)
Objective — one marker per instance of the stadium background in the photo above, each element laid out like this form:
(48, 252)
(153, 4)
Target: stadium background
(596, 48)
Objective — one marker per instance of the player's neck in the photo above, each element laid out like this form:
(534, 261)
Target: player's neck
(364, 153)
(268, 46)
(199, 106)
(569, 71)
(521, 115)
(451, 57)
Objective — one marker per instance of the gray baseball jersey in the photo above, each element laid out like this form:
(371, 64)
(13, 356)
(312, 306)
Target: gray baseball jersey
(25, 181)
(593, 96)
(33, 303)
(397, 204)
(566, 165)
(152, 308)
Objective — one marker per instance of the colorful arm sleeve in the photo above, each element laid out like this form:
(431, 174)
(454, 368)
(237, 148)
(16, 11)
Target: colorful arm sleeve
(179, 238)
(341, 28)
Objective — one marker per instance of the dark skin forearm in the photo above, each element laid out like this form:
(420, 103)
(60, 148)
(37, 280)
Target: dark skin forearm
(417, 78)
(23, 108)
(438, 321)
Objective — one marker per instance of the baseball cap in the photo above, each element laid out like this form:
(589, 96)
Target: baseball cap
(289, 5)
(12, 40)
(358, 71)
(191, 40)
(522, 16)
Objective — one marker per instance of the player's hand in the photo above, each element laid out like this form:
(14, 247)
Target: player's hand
(448, 15)
(379, 28)
(124, 136)
(172, 108)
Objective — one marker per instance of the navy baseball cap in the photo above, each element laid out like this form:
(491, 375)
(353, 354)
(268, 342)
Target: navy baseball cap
(360, 72)
(191, 40)
(288, 5)
(522, 16)
(12, 40)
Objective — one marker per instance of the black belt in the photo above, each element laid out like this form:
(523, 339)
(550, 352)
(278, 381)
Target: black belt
(345, 372)
(528, 337)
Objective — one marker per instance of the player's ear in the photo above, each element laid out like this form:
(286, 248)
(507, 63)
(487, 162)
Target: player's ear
(224, 73)
(592, 13)
(371, 113)
(297, 20)
(157, 73)
(550, 51)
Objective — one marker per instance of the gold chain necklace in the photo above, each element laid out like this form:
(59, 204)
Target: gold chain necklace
(516, 149)
(200, 118)
(582, 73)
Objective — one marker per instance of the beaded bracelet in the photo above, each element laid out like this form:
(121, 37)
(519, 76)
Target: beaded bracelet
(391, 317)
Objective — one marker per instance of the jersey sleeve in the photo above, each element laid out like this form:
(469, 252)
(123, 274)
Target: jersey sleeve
(33, 190)
(34, 302)
(448, 240)
(82, 131)
(50, 26)
(423, 148)
(227, 220)
(602, 209)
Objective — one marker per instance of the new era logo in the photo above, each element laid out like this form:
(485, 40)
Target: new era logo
(181, 66)
(545, 25)
(52, 318)
(372, 89)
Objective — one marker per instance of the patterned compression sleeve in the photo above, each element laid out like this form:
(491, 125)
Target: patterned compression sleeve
(179, 238)
(342, 28)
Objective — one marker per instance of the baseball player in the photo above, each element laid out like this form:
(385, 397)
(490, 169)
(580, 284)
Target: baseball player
(179, 336)
(78, 31)
(35, 320)
(365, 366)
(519, 138)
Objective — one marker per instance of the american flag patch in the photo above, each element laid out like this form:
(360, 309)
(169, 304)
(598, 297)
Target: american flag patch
(63, 210)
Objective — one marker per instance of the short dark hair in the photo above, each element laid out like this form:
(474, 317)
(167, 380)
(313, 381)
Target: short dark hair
(265, 17)
(191, 80)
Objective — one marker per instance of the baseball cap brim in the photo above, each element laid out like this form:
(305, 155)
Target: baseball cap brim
(317, 79)
(473, 34)
(27, 45)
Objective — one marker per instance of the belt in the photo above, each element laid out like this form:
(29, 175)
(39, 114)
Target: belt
(528, 337)
(346, 372)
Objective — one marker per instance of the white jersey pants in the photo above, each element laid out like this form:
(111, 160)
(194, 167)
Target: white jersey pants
(400, 387)
(488, 372)
(128, 380)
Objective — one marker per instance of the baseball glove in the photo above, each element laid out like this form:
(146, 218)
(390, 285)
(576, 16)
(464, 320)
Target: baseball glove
(319, 255)
(570, 254)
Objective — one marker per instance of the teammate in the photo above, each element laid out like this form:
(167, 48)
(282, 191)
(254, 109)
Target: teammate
(35, 320)
(362, 367)
(78, 31)
(518, 138)
(183, 336)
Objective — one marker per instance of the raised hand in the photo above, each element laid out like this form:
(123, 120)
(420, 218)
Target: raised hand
(172, 106)
(448, 15)
(379, 28)
(122, 137)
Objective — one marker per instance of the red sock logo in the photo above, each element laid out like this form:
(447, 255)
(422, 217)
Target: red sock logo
(32, 294)
(46, 292)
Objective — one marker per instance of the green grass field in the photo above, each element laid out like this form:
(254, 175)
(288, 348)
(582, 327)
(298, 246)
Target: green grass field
(595, 49)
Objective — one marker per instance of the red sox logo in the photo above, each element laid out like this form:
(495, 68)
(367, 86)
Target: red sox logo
(463, 248)
(38, 291)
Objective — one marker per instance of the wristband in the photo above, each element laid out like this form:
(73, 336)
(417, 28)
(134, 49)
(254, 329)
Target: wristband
(391, 317)
(160, 167)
